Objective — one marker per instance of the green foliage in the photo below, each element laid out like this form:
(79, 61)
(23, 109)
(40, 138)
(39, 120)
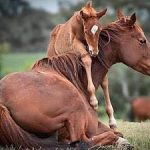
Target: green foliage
(4, 47)
(13, 7)
(13, 62)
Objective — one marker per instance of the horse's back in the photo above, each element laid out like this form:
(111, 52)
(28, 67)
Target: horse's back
(61, 39)
(39, 102)
(141, 108)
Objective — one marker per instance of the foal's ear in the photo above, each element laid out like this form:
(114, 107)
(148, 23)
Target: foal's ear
(102, 13)
(120, 14)
(84, 15)
(88, 4)
(132, 19)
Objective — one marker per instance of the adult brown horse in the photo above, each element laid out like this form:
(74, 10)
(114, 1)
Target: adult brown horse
(44, 100)
(140, 109)
(82, 28)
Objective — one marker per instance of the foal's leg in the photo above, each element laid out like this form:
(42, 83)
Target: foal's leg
(109, 108)
(87, 61)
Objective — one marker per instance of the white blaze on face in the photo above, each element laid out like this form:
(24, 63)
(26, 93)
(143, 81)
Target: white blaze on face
(94, 29)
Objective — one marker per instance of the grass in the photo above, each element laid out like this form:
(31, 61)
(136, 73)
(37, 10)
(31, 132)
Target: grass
(138, 134)
(13, 62)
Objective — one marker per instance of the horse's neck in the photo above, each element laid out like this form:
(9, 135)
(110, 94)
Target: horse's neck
(99, 70)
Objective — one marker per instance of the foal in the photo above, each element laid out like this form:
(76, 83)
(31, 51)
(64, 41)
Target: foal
(81, 29)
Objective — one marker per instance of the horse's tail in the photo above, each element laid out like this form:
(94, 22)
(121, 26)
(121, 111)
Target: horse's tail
(131, 116)
(12, 134)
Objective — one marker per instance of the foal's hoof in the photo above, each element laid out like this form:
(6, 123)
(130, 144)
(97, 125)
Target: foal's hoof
(113, 126)
(94, 103)
(95, 106)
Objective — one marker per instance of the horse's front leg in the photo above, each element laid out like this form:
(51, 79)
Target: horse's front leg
(109, 138)
(87, 61)
(109, 108)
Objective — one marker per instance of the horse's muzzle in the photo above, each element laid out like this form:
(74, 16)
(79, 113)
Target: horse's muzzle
(93, 54)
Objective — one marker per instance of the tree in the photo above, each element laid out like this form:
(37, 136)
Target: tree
(12, 7)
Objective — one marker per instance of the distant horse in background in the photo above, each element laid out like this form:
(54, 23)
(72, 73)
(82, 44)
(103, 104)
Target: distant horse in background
(140, 109)
(81, 29)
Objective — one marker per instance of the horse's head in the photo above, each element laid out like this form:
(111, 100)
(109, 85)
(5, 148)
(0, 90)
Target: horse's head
(134, 48)
(92, 27)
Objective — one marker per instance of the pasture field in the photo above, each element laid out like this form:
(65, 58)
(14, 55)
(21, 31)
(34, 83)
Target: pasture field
(138, 134)
(13, 62)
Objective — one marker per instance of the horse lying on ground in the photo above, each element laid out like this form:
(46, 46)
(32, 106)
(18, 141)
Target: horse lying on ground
(82, 28)
(140, 109)
(44, 100)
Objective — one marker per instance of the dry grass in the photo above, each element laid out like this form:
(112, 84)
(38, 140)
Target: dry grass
(138, 134)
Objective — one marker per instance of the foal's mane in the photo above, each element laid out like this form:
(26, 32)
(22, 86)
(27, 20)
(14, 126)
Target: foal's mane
(67, 65)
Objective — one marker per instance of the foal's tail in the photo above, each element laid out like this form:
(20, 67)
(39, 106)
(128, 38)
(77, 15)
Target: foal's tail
(12, 134)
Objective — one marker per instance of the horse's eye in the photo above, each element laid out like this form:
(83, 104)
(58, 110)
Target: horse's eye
(142, 40)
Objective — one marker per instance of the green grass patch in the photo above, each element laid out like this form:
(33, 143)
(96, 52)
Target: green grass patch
(138, 134)
(14, 62)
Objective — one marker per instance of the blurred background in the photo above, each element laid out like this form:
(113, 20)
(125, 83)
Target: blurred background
(25, 27)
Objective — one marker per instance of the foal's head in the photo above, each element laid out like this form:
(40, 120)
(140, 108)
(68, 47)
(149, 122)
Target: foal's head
(92, 27)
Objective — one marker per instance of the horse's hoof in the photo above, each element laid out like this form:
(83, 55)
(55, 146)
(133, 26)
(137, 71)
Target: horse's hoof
(94, 103)
(123, 144)
(96, 107)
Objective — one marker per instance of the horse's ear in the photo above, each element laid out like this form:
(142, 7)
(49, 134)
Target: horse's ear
(120, 14)
(88, 4)
(132, 19)
(84, 15)
(102, 13)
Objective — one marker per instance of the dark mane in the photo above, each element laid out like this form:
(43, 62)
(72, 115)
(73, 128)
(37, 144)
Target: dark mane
(67, 65)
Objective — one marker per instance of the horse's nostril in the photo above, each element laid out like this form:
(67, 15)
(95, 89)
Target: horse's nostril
(91, 52)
